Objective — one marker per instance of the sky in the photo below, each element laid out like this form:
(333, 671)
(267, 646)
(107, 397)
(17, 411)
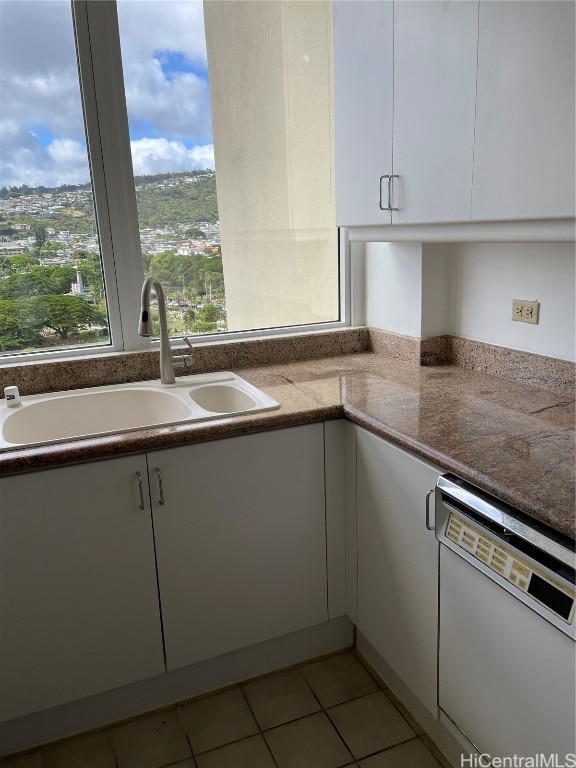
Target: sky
(166, 80)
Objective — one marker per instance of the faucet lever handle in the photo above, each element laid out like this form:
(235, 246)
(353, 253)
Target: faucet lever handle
(180, 361)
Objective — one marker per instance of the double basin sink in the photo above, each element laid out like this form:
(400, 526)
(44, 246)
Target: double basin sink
(80, 413)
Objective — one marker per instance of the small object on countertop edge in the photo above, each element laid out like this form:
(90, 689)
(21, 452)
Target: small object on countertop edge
(12, 396)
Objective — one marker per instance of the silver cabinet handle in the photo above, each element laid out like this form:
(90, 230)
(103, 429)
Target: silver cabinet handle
(160, 486)
(141, 489)
(390, 187)
(382, 207)
(430, 527)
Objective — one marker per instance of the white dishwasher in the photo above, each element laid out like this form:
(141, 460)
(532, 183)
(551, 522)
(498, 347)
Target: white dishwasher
(507, 653)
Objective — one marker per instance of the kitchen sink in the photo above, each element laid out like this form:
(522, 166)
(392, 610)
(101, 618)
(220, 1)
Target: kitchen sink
(223, 398)
(62, 416)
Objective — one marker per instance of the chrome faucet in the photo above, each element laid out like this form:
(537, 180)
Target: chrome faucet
(167, 361)
(145, 327)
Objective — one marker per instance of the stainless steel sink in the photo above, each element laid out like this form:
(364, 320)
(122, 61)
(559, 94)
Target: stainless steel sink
(62, 416)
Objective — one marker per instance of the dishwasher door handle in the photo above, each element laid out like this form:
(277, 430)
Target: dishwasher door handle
(428, 526)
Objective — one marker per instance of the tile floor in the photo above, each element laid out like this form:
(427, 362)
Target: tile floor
(323, 714)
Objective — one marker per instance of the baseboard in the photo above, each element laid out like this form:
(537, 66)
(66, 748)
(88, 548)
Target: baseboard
(448, 750)
(172, 687)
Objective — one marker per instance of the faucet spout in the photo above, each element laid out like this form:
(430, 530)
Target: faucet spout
(145, 326)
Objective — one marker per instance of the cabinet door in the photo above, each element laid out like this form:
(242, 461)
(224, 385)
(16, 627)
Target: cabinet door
(435, 48)
(78, 593)
(397, 563)
(524, 146)
(363, 104)
(241, 540)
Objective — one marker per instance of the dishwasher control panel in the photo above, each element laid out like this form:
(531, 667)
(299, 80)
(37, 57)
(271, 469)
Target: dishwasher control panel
(512, 566)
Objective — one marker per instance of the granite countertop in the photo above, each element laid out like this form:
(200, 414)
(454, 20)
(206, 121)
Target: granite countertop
(512, 440)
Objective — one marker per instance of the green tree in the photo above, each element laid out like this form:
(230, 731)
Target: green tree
(50, 246)
(5, 266)
(20, 326)
(39, 233)
(189, 317)
(23, 261)
(174, 272)
(37, 281)
(207, 317)
(67, 314)
(195, 232)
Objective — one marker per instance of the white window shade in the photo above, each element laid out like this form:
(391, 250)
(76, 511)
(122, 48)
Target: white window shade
(270, 70)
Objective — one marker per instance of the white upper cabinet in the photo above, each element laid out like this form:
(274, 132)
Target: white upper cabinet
(363, 103)
(434, 100)
(468, 106)
(524, 148)
(404, 86)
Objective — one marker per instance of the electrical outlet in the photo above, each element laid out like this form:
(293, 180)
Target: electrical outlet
(525, 311)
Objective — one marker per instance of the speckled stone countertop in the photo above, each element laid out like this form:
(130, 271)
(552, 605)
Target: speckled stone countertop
(512, 440)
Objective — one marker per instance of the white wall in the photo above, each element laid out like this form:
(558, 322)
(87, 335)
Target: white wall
(485, 277)
(393, 285)
(466, 289)
(405, 287)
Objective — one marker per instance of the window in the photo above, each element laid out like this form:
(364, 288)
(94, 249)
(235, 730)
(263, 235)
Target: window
(51, 284)
(209, 130)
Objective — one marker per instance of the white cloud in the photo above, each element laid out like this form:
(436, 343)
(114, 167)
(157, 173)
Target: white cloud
(42, 128)
(176, 26)
(25, 161)
(150, 156)
(178, 107)
(67, 152)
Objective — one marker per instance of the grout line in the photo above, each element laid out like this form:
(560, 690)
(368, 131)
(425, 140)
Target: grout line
(311, 690)
(342, 739)
(392, 698)
(298, 667)
(430, 745)
(113, 743)
(186, 734)
(388, 749)
(260, 731)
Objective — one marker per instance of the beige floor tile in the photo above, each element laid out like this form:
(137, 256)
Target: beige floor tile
(280, 698)
(184, 764)
(413, 754)
(308, 743)
(93, 750)
(151, 741)
(249, 753)
(29, 760)
(218, 720)
(338, 679)
(370, 724)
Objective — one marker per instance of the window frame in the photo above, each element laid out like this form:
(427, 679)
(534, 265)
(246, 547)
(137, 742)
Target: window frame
(98, 51)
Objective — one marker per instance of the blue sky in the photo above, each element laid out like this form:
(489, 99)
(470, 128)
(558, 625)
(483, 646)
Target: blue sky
(166, 80)
(173, 63)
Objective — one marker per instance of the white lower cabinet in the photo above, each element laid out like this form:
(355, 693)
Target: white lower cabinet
(240, 539)
(239, 528)
(397, 563)
(231, 536)
(78, 595)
